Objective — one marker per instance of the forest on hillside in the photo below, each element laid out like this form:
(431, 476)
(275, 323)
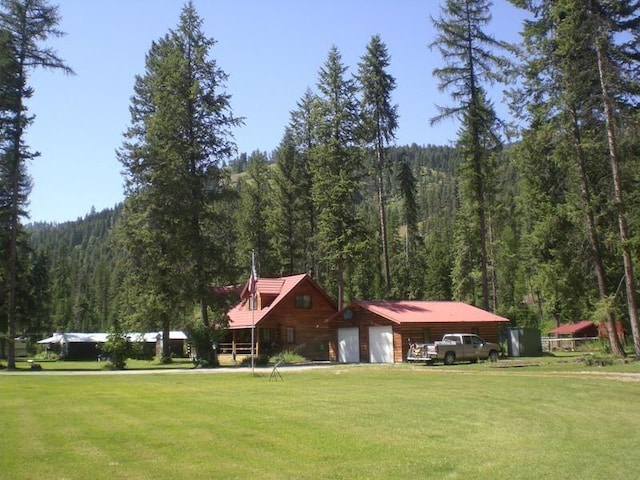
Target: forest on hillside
(83, 272)
(543, 229)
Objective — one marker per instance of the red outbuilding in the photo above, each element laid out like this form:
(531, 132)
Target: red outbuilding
(583, 329)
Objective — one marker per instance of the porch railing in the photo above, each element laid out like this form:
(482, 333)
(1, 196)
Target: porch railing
(237, 348)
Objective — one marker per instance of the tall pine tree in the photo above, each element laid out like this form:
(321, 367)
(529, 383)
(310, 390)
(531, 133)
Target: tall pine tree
(472, 59)
(290, 224)
(180, 134)
(618, 69)
(380, 121)
(304, 134)
(252, 214)
(561, 88)
(28, 23)
(336, 165)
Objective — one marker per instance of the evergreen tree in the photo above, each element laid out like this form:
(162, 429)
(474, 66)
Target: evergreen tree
(618, 69)
(289, 225)
(83, 270)
(472, 58)
(560, 87)
(304, 133)
(179, 136)
(380, 121)
(437, 263)
(37, 296)
(407, 185)
(408, 190)
(255, 205)
(336, 165)
(28, 23)
(9, 88)
(363, 275)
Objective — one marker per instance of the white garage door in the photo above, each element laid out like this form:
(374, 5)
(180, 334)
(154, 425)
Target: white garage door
(381, 344)
(348, 345)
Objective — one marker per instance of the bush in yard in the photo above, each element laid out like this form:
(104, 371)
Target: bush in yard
(138, 351)
(288, 358)
(260, 361)
(204, 339)
(118, 349)
(50, 356)
(598, 360)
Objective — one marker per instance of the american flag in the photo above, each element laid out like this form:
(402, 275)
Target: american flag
(253, 280)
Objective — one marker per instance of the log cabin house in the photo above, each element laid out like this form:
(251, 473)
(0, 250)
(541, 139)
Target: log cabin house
(379, 332)
(289, 315)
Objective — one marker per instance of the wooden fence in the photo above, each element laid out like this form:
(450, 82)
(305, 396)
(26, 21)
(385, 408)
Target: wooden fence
(551, 344)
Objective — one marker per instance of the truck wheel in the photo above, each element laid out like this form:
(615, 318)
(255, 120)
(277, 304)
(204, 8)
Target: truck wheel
(493, 356)
(449, 358)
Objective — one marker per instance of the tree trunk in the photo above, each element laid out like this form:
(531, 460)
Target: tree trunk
(14, 224)
(494, 270)
(614, 341)
(11, 300)
(204, 312)
(620, 208)
(166, 341)
(483, 252)
(340, 283)
(383, 218)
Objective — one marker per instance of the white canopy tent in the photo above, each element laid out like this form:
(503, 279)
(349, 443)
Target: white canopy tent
(88, 345)
(75, 337)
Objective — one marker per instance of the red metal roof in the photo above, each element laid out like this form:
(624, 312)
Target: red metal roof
(413, 311)
(274, 286)
(572, 328)
(241, 317)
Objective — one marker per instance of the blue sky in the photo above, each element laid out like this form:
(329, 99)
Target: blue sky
(271, 50)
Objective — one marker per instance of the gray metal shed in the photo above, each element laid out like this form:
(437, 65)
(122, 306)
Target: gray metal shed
(524, 342)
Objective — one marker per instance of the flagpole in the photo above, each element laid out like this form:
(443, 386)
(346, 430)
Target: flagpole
(253, 334)
(254, 282)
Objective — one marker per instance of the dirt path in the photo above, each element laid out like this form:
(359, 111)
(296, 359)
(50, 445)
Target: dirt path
(623, 377)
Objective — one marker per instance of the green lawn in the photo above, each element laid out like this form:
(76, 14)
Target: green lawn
(351, 422)
(82, 365)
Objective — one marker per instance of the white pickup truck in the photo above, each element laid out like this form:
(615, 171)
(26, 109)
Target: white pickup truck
(452, 348)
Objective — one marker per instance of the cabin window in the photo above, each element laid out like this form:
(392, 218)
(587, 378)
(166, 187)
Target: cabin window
(303, 301)
(291, 335)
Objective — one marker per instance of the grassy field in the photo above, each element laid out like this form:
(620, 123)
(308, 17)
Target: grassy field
(351, 422)
(154, 364)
